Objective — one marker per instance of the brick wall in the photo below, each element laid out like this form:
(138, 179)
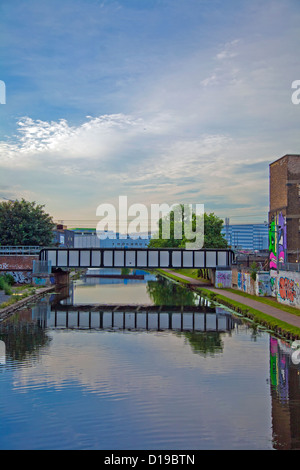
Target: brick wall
(293, 210)
(278, 188)
(15, 263)
(284, 198)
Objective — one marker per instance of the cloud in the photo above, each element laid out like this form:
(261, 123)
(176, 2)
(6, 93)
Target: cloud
(229, 50)
(159, 109)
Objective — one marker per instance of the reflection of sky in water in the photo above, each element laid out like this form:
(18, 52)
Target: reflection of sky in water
(132, 293)
(116, 390)
(98, 389)
(109, 290)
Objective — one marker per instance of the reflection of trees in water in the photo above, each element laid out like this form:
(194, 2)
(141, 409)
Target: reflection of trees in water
(164, 292)
(23, 339)
(204, 343)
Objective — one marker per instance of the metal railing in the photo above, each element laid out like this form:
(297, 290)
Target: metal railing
(20, 250)
(41, 267)
(289, 266)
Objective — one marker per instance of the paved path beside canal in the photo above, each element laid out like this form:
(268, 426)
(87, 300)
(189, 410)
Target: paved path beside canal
(267, 309)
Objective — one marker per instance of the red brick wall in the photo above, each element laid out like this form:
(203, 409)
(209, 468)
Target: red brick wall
(285, 198)
(278, 188)
(14, 263)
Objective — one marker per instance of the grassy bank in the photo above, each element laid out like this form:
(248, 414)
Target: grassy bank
(185, 272)
(18, 293)
(171, 276)
(277, 326)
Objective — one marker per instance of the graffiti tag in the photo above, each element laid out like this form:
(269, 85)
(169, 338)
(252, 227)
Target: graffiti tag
(21, 277)
(287, 289)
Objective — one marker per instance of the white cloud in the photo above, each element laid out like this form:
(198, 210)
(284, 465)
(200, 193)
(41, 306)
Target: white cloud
(228, 50)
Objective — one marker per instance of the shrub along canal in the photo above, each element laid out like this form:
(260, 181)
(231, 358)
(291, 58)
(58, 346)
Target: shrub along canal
(78, 372)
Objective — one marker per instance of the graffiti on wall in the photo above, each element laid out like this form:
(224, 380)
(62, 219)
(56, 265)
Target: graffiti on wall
(223, 279)
(244, 281)
(273, 283)
(3, 266)
(39, 281)
(262, 285)
(277, 240)
(21, 277)
(287, 289)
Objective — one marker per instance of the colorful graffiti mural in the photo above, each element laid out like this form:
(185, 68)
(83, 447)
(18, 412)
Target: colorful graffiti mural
(288, 288)
(262, 284)
(244, 283)
(223, 279)
(277, 240)
(21, 277)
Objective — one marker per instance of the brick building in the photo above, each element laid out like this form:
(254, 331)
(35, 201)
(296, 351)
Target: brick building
(284, 210)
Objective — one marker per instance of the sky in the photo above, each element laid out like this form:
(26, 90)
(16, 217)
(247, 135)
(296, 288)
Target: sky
(162, 101)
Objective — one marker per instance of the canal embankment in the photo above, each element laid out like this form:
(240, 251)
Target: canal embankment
(12, 303)
(282, 320)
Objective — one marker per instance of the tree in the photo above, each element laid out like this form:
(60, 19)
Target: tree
(25, 223)
(213, 237)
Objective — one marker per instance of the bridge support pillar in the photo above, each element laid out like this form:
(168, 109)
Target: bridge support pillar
(61, 278)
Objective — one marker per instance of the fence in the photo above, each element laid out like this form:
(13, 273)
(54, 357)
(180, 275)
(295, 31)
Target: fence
(41, 267)
(289, 266)
(20, 250)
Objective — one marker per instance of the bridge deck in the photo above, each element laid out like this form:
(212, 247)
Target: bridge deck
(136, 258)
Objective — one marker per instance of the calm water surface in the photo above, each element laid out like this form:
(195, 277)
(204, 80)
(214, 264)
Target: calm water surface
(204, 380)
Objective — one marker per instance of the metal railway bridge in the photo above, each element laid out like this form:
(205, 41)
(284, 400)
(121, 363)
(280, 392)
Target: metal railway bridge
(136, 258)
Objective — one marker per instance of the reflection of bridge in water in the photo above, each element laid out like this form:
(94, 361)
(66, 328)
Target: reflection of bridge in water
(136, 317)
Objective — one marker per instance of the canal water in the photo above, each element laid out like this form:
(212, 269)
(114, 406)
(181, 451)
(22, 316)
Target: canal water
(142, 363)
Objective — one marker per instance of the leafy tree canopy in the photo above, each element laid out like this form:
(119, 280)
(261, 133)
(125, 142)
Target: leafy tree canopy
(25, 223)
(212, 224)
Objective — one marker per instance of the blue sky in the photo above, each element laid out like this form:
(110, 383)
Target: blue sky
(160, 100)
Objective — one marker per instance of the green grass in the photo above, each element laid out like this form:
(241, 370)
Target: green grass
(193, 273)
(19, 293)
(278, 326)
(172, 276)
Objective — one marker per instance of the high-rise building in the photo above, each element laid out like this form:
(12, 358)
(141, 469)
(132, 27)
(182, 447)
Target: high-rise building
(250, 237)
(284, 210)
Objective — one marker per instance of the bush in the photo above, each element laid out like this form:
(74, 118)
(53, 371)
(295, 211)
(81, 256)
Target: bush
(4, 285)
(9, 279)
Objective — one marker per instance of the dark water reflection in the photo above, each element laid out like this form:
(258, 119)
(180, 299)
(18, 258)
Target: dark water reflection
(225, 386)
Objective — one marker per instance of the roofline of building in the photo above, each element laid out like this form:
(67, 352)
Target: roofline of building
(287, 155)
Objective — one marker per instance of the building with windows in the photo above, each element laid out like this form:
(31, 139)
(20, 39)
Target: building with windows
(88, 238)
(63, 237)
(248, 237)
(124, 242)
